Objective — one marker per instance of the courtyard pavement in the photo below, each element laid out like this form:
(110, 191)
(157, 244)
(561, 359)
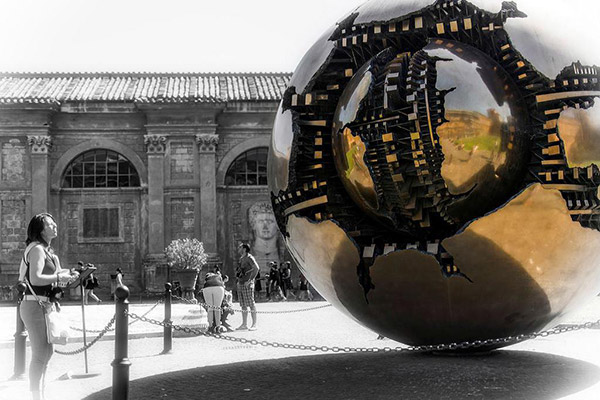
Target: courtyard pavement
(565, 366)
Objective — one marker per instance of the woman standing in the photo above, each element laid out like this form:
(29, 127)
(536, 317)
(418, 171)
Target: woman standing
(90, 284)
(41, 268)
(213, 292)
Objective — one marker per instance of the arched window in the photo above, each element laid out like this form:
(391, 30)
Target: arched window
(100, 168)
(249, 169)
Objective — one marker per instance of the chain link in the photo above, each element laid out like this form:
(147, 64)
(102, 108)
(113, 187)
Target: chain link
(411, 349)
(90, 344)
(131, 323)
(211, 307)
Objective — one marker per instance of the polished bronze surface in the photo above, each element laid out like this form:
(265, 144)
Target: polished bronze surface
(348, 148)
(580, 132)
(434, 168)
(280, 151)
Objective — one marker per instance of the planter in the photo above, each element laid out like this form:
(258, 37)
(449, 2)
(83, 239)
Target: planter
(187, 279)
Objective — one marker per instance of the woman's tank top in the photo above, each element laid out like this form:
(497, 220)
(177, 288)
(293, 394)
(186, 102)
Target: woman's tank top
(49, 269)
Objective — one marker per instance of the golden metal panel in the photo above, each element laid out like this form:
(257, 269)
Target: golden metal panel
(553, 111)
(348, 72)
(390, 158)
(550, 124)
(387, 137)
(318, 141)
(553, 137)
(553, 162)
(505, 47)
(314, 123)
(440, 28)
(453, 26)
(564, 186)
(542, 98)
(397, 178)
(406, 25)
(415, 135)
(306, 204)
(551, 150)
(418, 22)
(318, 155)
(467, 23)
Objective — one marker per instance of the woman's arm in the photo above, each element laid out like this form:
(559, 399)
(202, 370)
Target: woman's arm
(37, 260)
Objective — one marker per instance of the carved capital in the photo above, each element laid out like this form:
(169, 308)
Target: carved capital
(155, 144)
(207, 142)
(39, 144)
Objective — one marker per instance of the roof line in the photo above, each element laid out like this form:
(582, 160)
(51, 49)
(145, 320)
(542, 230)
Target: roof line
(134, 74)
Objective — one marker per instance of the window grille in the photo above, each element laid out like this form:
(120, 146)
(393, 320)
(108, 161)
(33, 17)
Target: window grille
(249, 169)
(100, 169)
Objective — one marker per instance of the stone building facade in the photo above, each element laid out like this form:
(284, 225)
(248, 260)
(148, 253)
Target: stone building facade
(128, 162)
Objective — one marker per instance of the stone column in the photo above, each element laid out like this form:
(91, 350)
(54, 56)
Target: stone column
(207, 146)
(155, 147)
(40, 182)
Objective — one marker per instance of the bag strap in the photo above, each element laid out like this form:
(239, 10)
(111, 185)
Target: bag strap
(34, 294)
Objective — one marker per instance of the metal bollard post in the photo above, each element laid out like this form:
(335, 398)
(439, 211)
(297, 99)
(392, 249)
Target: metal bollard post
(168, 330)
(20, 337)
(120, 388)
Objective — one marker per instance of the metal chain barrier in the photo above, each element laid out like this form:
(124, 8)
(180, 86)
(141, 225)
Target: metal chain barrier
(409, 349)
(90, 344)
(211, 307)
(112, 329)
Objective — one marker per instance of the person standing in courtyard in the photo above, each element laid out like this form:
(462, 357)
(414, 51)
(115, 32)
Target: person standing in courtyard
(246, 274)
(41, 270)
(90, 284)
(286, 280)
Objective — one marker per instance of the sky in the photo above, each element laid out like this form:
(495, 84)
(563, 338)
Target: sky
(174, 35)
(162, 35)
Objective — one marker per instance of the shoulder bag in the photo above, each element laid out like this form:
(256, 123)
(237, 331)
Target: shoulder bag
(57, 327)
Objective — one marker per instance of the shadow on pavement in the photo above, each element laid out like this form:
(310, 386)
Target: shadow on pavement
(499, 375)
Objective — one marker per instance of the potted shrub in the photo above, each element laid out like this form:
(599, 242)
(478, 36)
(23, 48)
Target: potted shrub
(186, 257)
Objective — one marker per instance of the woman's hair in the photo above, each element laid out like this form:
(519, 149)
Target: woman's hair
(120, 271)
(36, 227)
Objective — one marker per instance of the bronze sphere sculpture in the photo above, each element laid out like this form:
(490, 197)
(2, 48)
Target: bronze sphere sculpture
(434, 169)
